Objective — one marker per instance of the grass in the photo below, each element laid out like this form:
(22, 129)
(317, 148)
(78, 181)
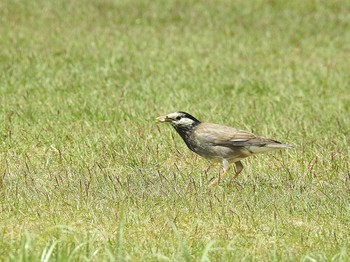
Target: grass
(86, 174)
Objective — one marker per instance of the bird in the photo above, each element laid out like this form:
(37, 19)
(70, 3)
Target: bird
(219, 143)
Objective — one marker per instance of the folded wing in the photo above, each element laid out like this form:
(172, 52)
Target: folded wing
(219, 135)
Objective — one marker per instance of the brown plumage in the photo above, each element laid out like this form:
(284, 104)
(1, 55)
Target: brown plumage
(219, 143)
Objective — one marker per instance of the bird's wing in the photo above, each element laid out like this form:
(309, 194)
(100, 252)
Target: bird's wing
(219, 135)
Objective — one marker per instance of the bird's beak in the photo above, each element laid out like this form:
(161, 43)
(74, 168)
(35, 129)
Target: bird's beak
(163, 119)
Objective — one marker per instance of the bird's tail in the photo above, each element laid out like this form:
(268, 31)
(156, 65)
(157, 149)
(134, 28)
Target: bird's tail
(270, 146)
(278, 146)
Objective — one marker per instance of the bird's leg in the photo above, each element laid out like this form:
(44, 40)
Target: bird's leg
(238, 168)
(226, 165)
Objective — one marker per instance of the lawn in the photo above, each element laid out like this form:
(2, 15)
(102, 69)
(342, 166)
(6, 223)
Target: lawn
(87, 175)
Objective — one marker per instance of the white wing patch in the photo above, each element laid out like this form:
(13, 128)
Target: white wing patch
(239, 140)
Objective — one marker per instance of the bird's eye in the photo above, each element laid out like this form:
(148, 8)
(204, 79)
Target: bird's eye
(178, 118)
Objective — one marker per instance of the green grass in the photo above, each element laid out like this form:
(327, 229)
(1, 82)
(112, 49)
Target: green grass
(87, 175)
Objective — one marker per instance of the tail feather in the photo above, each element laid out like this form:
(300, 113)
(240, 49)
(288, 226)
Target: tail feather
(268, 147)
(278, 146)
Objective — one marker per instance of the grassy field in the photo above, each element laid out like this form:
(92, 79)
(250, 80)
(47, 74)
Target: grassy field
(87, 175)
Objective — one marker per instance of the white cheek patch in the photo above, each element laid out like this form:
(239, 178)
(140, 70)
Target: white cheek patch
(185, 121)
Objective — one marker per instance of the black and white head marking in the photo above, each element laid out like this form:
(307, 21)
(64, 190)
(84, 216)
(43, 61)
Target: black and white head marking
(184, 124)
(182, 120)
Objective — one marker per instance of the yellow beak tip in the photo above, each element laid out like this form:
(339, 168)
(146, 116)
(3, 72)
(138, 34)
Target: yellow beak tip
(161, 119)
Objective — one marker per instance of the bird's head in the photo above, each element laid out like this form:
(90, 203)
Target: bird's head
(179, 120)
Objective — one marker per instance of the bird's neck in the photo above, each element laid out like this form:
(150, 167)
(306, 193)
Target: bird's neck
(185, 131)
